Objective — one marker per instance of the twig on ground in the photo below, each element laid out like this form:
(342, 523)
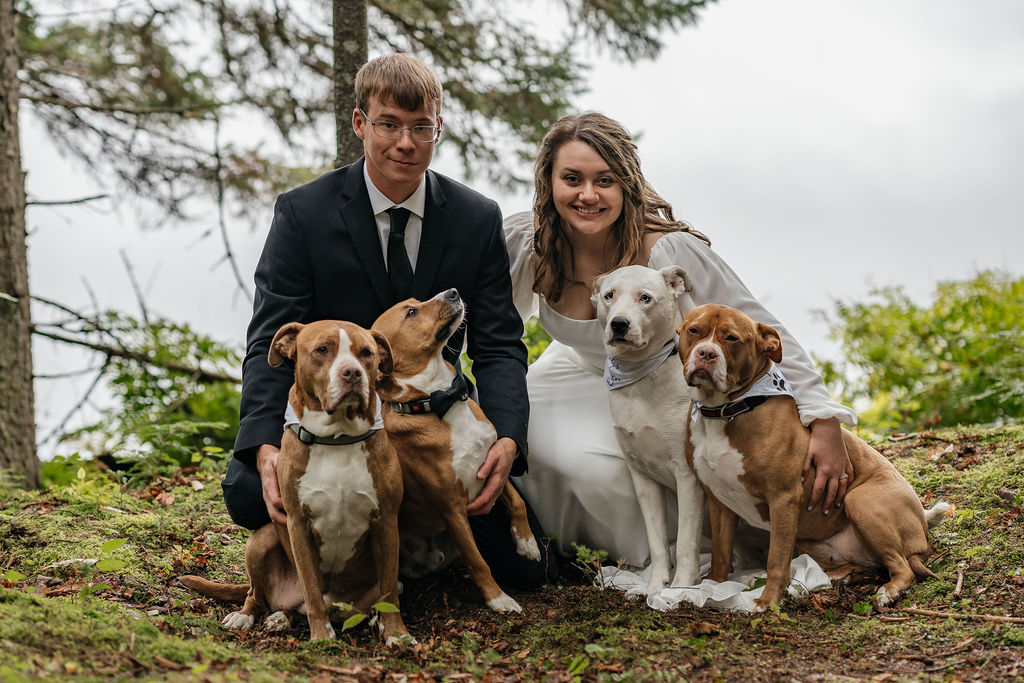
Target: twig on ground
(894, 619)
(971, 617)
(959, 579)
(940, 667)
(938, 557)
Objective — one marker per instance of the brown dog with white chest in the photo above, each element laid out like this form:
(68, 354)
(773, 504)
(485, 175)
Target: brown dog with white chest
(341, 485)
(442, 438)
(747, 446)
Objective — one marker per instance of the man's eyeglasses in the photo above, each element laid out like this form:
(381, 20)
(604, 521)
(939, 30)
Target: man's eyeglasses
(392, 131)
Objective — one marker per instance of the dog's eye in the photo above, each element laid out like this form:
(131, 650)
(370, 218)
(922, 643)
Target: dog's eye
(609, 295)
(365, 352)
(411, 312)
(321, 349)
(645, 298)
(731, 338)
(693, 331)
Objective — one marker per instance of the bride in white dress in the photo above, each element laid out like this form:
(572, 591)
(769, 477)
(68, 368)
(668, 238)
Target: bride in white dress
(594, 212)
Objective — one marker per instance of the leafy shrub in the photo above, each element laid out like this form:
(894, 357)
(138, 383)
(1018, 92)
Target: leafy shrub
(958, 360)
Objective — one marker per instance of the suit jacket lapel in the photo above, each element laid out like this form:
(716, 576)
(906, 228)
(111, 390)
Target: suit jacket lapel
(357, 216)
(434, 236)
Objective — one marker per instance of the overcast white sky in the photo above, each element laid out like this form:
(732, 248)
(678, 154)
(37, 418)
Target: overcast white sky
(824, 146)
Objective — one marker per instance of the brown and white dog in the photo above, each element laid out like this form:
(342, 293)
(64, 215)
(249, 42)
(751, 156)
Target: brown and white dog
(442, 437)
(748, 451)
(341, 485)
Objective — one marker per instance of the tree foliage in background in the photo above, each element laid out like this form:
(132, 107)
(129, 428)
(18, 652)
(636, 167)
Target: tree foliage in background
(958, 360)
(164, 414)
(140, 89)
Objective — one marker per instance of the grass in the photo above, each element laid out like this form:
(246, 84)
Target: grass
(136, 621)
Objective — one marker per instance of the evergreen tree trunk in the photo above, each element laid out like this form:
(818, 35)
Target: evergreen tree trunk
(17, 421)
(350, 53)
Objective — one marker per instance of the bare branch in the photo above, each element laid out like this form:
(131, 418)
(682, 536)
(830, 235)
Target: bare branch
(59, 429)
(117, 352)
(228, 254)
(65, 202)
(135, 286)
(193, 110)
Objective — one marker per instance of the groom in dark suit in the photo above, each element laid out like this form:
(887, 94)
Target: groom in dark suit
(353, 242)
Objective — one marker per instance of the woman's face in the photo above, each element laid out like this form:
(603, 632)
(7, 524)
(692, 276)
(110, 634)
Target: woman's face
(586, 194)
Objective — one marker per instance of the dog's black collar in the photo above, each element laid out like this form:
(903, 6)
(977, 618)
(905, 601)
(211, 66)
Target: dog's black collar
(728, 411)
(438, 402)
(307, 437)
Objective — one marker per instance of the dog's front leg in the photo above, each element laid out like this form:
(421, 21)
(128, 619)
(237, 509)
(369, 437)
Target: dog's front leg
(690, 503)
(384, 545)
(307, 566)
(526, 544)
(651, 497)
(723, 535)
(784, 518)
(458, 527)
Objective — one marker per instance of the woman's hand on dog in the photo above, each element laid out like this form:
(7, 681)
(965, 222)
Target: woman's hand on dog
(495, 470)
(833, 471)
(266, 465)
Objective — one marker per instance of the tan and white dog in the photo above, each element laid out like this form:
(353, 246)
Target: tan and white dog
(341, 485)
(637, 309)
(747, 446)
(442, 437)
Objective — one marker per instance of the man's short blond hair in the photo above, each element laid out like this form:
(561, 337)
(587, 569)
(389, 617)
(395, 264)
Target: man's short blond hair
(400, 78)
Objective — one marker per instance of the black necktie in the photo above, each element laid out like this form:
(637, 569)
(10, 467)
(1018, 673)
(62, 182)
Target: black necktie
(399, 268)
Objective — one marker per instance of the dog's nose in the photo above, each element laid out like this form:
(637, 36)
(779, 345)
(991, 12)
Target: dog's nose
(352, 373)
(707, 354)
(451, 295)
(620, 325)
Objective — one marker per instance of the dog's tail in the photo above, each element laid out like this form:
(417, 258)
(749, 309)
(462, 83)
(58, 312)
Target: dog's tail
(228, 592)
(917, 566)
(937, 515)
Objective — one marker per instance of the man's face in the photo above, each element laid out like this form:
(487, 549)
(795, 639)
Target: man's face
(396, 167)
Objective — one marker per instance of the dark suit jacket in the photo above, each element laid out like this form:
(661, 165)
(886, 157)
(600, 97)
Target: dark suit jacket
(323, 261)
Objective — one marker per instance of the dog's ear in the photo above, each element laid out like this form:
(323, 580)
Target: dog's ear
(771, 342)
(283, 345)
(596, 289)
(385, 361)
(676, 279)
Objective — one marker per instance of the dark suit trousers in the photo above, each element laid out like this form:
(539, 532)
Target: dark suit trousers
(243, 494)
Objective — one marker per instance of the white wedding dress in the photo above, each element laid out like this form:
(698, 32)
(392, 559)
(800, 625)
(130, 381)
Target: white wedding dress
(577, 482)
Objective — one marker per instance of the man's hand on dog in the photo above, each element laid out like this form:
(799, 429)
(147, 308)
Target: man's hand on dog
(266, 465)
(495, 470)
(833, 470)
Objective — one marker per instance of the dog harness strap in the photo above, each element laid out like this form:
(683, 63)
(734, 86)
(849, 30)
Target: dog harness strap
(728, 411)
(439, 401)
(308, 437)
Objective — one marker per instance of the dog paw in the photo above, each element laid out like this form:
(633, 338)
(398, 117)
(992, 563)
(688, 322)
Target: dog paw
(324, 633)
(277, 622)
(503, 603)
(886, 596)
(238, 621)
(528, 548)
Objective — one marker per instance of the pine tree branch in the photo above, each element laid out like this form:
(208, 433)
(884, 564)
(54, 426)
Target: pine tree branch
(65, 202)
(119, 352)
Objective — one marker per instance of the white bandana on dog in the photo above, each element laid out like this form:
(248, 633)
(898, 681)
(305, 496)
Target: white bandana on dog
(620, 373)
(772, 383)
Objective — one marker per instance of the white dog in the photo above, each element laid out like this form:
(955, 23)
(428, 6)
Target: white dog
(638, 313)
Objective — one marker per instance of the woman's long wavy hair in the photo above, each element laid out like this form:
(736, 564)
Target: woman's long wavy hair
(643, 209)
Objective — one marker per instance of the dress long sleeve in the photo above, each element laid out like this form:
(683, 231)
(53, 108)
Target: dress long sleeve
(519, 242)
(714, 282)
